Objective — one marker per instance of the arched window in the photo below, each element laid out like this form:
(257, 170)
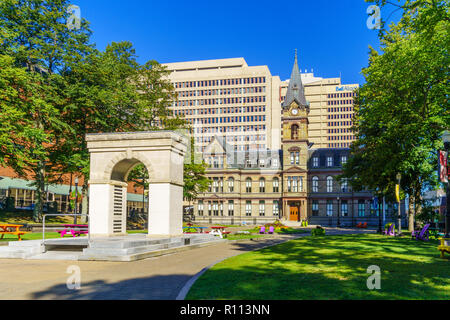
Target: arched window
(248, 185)
(315, 184)
(231, 185)
(294, 132)
(330, 184)
(262, 185)
(276, 185)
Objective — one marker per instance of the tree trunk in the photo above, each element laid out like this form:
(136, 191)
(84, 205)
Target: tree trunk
(40, 192)
(85, 201)
(411, 214)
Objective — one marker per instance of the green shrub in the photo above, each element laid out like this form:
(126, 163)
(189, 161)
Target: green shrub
(319, 231)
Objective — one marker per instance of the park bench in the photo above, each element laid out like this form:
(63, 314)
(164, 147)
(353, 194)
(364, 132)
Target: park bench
(6, 229)
(75, 229)
(444, 247)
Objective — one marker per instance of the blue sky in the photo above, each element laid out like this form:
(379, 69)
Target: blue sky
(331, 36)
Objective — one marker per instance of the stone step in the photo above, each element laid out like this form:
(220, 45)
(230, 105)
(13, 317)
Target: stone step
(57, 255)
(18, 253)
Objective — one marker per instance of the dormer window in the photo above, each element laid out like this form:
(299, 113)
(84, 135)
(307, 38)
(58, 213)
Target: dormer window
(329, 161)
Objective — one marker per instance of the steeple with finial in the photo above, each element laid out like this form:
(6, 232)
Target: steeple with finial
(295, 91)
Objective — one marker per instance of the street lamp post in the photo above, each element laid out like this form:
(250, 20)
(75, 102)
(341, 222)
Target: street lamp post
(399, 178)
(380, 210)
(446, 139)
(76, 201)
(339, 213)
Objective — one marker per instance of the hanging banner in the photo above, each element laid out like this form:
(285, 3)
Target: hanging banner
(443, 169)
(397, 192)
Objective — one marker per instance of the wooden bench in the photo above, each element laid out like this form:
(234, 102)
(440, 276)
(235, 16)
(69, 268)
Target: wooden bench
(5, 229)
(443, 248)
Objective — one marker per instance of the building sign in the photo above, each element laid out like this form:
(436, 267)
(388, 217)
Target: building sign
(443, 166)
(346, 88)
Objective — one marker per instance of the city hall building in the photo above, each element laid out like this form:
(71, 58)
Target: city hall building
(296, 182)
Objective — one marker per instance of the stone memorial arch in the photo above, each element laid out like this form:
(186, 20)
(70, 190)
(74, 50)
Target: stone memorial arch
(113, 156)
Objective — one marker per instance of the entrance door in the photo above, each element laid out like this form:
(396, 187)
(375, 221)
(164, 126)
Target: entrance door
(294, 214)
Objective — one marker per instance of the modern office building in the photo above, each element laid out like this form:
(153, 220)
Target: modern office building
(331, 110)
(228, 98)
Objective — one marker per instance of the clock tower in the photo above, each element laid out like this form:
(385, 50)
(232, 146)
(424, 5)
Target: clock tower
(295, 146)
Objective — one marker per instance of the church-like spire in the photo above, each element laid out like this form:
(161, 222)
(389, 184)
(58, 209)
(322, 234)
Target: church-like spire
(296, 91)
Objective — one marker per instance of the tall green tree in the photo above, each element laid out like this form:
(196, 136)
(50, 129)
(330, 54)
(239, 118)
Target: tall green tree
(402, 109)
(35, 34)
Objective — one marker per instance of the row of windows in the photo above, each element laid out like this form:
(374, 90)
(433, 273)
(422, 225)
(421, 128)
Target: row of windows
(339, 145)
(222, 82)
(254, 128)
(219, 101)
(217, 184)
(340, 116)
(341, 95)
(341, 130)
(237, 119)
(333, 138)
(218, 92)
(220, 110)
(215, 208)
(340, 123)
(342, 109)
(339, 102)
(329, 161)
(294, 184)
(343, 207)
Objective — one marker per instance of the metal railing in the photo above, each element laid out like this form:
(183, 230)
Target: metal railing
(69, 215)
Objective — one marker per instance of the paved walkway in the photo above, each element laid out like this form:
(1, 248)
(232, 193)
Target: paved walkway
(156, 278)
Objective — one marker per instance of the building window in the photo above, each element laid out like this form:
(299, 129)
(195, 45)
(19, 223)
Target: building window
(215, 208)
(293, 184)
(329, 161)
(200, 208)
(315, 208)
(231, 208)
(294, 132)
(316, 162)
(343, 160)
(262, 208)
(361, 208)
(276, 208)
(344, 208)
(330, 184)
(248, 185)
(315, 184)
(344, 185)
(330, 208)
(209, 209)
(231, 185)
(262, 185)
(248, 208)
(276, 185)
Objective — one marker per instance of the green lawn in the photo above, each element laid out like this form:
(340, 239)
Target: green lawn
(330, 267)
(32, 236)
